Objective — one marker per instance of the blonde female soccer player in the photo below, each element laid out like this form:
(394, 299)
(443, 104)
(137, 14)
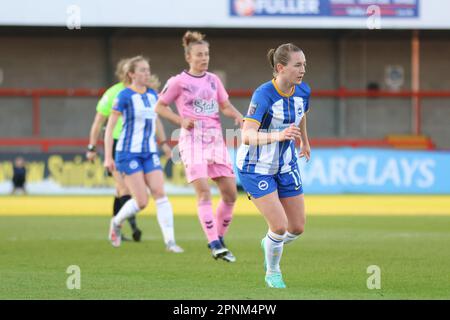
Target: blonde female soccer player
(199, 96)
(136, 152)
(267, 159)
(104, 108)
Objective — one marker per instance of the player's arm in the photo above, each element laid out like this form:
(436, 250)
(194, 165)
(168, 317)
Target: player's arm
(161, 135)
(96, 127)
(230, 111)
(251, 135)
(166, 112)
(109, 141)
(304, 142)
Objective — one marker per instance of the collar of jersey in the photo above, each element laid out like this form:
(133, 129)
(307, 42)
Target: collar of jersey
(281, 92)
(193, 75)
(132, 88)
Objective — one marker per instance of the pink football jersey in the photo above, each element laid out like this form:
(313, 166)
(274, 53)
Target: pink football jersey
(198, 98)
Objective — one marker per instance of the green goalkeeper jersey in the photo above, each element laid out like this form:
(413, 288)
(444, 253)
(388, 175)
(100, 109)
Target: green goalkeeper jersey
(105, 105)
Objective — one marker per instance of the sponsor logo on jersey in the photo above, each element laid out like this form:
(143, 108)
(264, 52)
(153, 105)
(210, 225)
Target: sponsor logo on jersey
(202, 106)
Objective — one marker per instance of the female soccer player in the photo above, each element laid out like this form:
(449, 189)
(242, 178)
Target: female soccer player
(267, 160)
(136, 152)
(104, 108)
(199, 95)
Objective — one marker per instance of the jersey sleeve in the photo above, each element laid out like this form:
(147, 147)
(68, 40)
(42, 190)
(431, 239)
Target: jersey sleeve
(259, 106)
(171, 91)
(105, 103)
(222, 94)
(120, 103)
(308, 91)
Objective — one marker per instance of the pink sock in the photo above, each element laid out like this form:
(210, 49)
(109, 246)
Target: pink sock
(205, 214)
(224, 214)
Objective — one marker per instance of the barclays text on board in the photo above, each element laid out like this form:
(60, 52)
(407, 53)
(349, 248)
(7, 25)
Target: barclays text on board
(377, 171)
(324, 8)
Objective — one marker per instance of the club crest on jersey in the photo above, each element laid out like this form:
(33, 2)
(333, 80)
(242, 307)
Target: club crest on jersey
(299, 105)
(213, 86)
(133, 165)
(263, 185)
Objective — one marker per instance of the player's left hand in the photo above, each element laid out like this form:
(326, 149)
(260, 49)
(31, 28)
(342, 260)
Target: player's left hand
(109, 164)
(305, 151)
(167, 150)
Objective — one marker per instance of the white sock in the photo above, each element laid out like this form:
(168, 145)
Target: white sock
(274, 249)
(290, 237)
(129, 209)
(165, 219)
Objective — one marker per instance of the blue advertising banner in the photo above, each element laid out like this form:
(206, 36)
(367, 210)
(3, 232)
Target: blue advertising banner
(330, 171)
(324, 8)
(377, 171)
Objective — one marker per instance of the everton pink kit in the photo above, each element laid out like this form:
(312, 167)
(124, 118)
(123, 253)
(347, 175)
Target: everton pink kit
(202, 149)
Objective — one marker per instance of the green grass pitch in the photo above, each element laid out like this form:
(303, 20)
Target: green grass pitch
(328, 262)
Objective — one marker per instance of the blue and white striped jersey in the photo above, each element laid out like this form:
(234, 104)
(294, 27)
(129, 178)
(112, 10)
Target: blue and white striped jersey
(139, 121)
(273, 111)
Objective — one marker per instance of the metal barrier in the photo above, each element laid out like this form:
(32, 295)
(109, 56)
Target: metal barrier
(341, 94)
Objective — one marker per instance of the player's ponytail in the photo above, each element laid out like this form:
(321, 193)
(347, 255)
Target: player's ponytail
(190, 38)
(120, 69)
(281, 55)
(270, 55)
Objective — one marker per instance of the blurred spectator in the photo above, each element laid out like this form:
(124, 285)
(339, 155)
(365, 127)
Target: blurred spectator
(19, 175)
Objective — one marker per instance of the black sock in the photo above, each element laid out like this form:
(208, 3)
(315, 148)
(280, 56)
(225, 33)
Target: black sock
(131, 220)
(124, 199)
(117, 205)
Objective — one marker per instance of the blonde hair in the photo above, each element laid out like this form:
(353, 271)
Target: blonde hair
(130, 66)
(154, 82)
(191, 38)
(281, 55)
(120, 69)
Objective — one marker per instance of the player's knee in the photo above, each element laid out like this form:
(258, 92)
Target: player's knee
(204, 195)
(158, 194)
(298, 230)
(121, 187)
(230, 198)
(122, 192)
(142, 203)
(279, 229)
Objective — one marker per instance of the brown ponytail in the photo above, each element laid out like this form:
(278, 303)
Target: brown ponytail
(270, 55)
(192, 37)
